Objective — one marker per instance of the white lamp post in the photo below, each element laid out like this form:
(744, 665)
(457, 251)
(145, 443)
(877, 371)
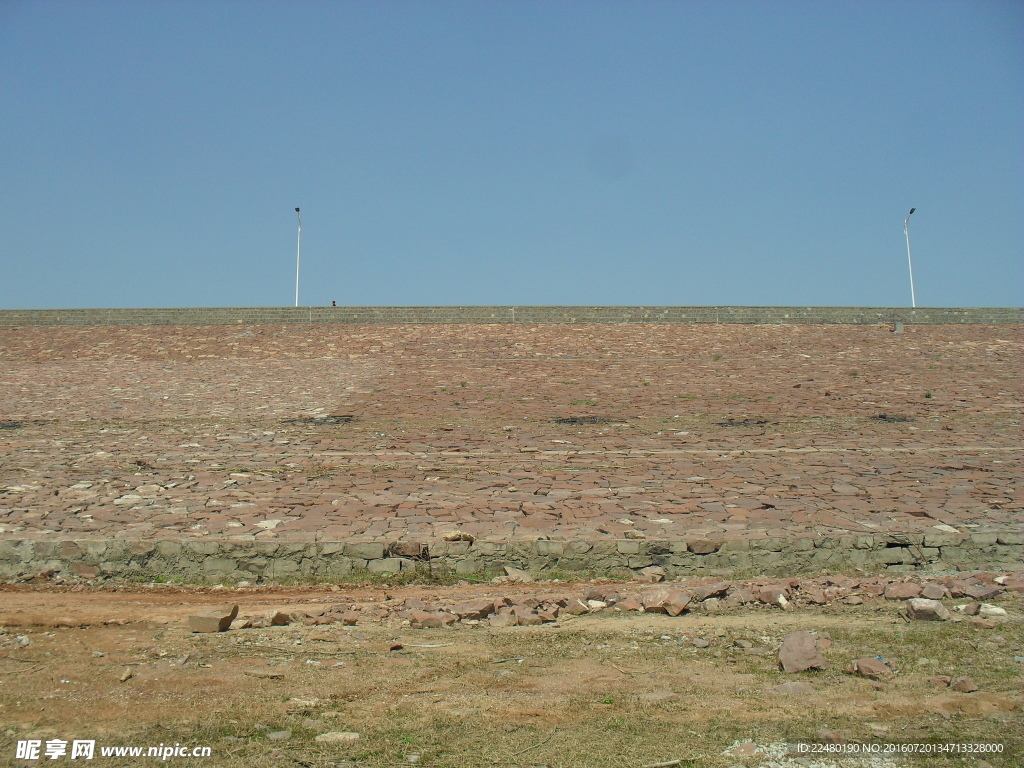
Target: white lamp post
(298, 251)
(906, 231)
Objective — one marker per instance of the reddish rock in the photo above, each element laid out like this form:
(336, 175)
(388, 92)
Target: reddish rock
(902, 591)
(630, 604)
(576, 607)
(718, 589)
(423, 620)
(934, 592)
(982, 592)
(800, 652)
(743, 596)
(963, 685)
(703, 546)
(678, 602)
(773, 595)
(816, 596)
(654, 601)
(279, 619)
(473, 609)
(873, 669)
(527, 617)
(548, 614)
(843, 582)
(943, 681)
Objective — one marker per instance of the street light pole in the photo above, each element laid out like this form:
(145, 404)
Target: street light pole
(298, 251)
(906, 231)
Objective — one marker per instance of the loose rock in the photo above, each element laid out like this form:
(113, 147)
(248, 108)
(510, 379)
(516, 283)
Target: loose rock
(213, 620)
(923, 609)
(964, 685)
(279, 619)
(338, 737)
(799, 652)
(934, 592)
(902, 591)
(873, 669)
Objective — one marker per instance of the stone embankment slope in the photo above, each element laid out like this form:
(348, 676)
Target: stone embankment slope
(268, 452)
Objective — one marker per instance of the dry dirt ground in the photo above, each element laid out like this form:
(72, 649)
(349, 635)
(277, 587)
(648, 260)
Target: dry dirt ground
(604, 689)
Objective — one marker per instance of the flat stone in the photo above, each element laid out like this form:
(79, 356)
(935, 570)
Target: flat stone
(873, 669)
(337, 737)
(703, 546)
(799, 652)
(902, 591)
(963, 685)
(702, 593)
(982, 592)
(423, 619)
(473, 609)
(665, 600)
(990, 611)
(934, 592)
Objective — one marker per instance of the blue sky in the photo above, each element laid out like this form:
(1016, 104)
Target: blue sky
(152, 153)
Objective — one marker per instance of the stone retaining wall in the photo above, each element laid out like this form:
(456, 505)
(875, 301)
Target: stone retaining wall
(208, 561)
(509, 314)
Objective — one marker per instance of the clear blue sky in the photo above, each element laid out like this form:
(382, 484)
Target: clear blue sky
(152, 153)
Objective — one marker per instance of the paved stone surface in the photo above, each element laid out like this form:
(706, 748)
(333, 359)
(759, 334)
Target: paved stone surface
(713, 434)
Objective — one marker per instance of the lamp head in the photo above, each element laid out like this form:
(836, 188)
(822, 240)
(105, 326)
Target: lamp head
(297, 210)
(911, 210)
